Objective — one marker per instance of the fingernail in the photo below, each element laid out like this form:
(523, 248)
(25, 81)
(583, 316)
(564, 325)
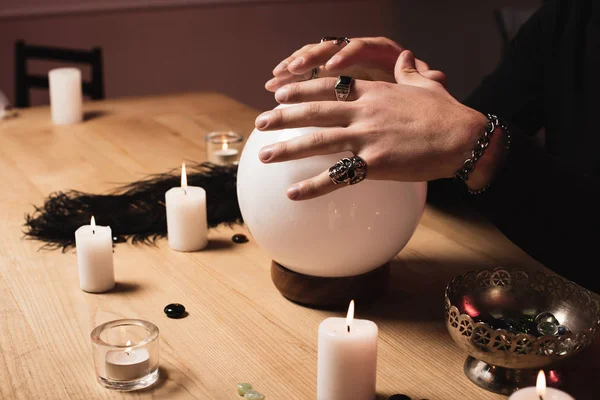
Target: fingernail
(297, 62)
(265, 153)
(262, 120)
(271, 82)
(333, 61)
(282, 94)
(293, 192)
(281, 66)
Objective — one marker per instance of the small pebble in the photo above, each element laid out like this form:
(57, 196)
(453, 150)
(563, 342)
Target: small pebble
(239, 238)
(547, 328)
(175, 310)
(399, 397)
(546, 317)
(243, 388)
(254, 395)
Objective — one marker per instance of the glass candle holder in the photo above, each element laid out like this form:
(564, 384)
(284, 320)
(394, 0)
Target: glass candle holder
(126, 354)
(223, 147)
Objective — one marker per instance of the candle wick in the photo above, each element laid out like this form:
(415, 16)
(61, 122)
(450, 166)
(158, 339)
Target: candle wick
(348, 326)
(541, 398)
(93, 232)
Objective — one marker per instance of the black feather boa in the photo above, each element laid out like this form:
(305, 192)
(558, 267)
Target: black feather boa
(135, 211)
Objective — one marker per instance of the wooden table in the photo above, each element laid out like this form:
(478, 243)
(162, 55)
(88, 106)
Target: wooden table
(239, 327)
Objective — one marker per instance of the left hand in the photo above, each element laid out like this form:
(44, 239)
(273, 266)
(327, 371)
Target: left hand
(410, 131)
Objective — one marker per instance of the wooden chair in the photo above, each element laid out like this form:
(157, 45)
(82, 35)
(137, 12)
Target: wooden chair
(24, 81)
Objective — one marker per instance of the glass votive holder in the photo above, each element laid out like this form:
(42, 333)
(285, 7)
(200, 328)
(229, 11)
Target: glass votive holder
(223, 147)
(126, 354)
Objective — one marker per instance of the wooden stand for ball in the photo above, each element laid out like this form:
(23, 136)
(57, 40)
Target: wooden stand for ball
(330, 293)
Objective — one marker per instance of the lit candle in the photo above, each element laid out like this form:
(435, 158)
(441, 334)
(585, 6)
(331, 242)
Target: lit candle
(225, 155)
(347, 358)
(65, 95)
(127, 365)
(95, 257)
(540, 391)
(187, 225)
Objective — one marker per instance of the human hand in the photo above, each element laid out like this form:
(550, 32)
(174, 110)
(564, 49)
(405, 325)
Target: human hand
(363, 58)
(410, 131)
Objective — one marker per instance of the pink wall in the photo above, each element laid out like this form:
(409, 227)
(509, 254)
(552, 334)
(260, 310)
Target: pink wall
(232, 48)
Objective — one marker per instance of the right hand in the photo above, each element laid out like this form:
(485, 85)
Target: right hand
(363, 58)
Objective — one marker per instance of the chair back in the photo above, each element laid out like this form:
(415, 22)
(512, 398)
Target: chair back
(24, 81)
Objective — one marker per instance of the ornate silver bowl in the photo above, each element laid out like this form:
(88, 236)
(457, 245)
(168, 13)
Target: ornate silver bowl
(503, 360)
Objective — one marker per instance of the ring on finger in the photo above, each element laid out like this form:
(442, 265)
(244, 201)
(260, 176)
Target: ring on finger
(342, 87)
(315, 73)
(348, 170)
(335, 39)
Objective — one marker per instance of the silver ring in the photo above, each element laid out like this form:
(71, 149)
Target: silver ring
(315, 73)
(348, 170)
(336, 40)
(342, 87)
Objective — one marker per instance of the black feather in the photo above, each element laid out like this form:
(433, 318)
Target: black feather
(135, 211)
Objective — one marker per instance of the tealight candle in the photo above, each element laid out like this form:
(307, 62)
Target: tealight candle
(126, 354)
(347, 358)
(187, 225)
(128, 364)
(65, 95)
(95, 257)
(540, 391)
(223, 147)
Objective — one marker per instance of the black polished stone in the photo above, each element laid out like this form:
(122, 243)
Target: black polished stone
(239, 238)
(399, 397)
(562, 330)
(175, 310)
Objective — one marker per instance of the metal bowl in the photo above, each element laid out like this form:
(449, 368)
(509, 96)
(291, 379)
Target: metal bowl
(502, 360)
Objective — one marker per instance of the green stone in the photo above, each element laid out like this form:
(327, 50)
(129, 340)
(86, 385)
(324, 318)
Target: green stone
(243, 388)
(254, 395)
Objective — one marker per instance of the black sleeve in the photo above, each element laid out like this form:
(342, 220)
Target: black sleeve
(542, 206)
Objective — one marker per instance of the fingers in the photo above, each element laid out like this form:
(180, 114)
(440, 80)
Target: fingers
(406, 72)
(283, 79)
(282, 67)
(380, 52)
(317, 90)
(435, 75)
(314, 57)
(326, 141)
(311, 188)
(322, 114)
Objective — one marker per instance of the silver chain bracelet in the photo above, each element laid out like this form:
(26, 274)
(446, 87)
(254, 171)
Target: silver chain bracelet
(482, 144)
(496, 123)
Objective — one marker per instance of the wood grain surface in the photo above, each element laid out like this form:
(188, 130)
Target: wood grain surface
(239, 327)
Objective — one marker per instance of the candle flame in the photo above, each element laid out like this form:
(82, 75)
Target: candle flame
(183, 176)
(350, 315)
(128, 349)
(225, 146)
(540, 386)
(93, 221)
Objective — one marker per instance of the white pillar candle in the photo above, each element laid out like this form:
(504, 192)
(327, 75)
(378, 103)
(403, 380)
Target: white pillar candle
(187, 225)
(540, 391)
(95, 257)
(65, 95)
(347, 358)
(127, 365)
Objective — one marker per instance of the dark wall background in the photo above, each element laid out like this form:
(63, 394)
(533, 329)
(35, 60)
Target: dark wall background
(232, 47)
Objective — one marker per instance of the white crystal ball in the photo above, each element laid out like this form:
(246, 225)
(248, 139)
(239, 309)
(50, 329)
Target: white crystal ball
(347, 232)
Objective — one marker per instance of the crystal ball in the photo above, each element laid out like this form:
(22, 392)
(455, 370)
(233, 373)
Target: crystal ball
(348, 232)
